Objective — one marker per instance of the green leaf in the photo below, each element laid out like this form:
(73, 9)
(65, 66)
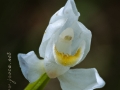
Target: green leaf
(39, 84)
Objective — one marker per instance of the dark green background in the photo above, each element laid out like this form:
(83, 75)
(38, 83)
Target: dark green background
(22, 24)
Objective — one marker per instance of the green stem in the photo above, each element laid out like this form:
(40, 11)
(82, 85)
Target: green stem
(39, 84)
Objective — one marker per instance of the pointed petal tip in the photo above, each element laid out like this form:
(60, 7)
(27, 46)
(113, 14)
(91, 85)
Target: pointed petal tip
(100, 81)
(71, 6)
(21, 55)
(68, 10)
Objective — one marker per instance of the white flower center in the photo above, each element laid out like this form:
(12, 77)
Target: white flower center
(64, 42)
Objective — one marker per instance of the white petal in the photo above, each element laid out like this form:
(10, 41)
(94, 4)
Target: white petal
(58, 15)
(81, 33)
(32, 68)
(81, 79)
(52, 68)
(80, 58)
(86, 36)
(68, 11)
(48, 33)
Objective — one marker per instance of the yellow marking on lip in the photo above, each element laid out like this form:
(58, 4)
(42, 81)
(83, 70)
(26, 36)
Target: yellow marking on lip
(66, 59)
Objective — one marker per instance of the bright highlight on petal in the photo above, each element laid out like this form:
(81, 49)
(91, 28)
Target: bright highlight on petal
(66, 59)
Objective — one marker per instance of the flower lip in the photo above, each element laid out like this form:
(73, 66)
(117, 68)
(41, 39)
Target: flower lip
(66, 59)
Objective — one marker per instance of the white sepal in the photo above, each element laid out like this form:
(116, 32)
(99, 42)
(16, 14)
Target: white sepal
(68, 11)
(32, 68)
(81, 79)
(86, 36)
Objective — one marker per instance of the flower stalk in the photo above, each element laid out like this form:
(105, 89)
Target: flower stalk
(39, 84)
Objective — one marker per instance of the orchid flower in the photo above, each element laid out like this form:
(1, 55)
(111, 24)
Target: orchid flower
(65, 43)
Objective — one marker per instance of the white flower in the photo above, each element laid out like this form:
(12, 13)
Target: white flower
(65, 44)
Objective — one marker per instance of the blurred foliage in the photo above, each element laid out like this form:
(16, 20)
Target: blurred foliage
(22, 24)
